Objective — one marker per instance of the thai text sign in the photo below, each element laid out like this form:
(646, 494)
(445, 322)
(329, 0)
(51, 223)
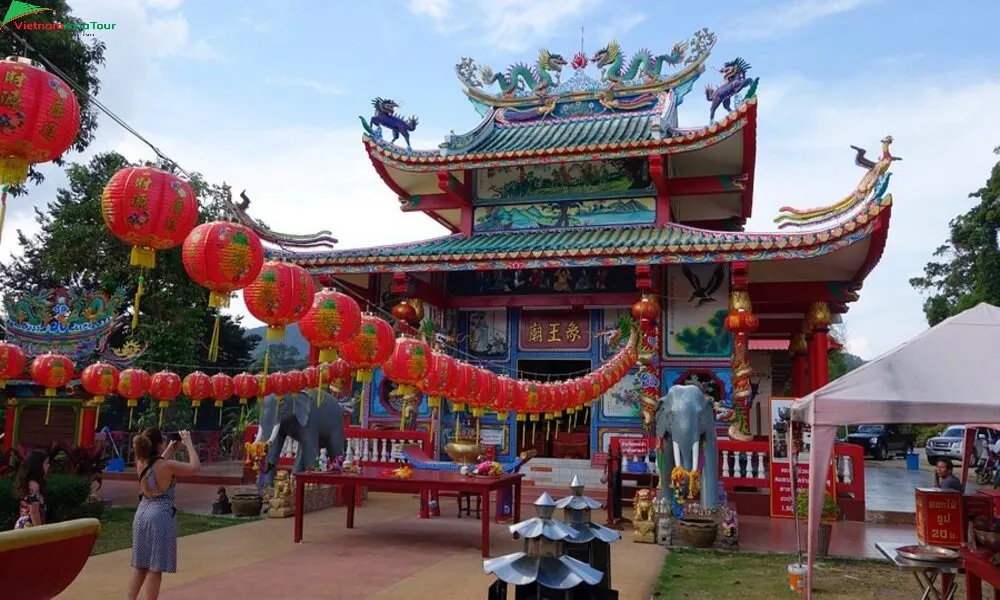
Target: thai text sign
(631, 446)
(940, 519)
(554, 330)
(782, 500)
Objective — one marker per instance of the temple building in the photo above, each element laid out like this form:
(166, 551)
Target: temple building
(574, 197)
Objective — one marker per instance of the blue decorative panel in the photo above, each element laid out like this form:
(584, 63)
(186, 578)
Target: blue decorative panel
(381, 404)
(717, 381)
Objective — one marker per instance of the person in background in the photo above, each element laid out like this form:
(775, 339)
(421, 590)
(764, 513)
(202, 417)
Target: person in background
(154, 529)
(944, 477)
(29, 488)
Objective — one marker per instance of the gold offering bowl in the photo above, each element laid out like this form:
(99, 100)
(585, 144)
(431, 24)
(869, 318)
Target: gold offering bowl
(464, 452)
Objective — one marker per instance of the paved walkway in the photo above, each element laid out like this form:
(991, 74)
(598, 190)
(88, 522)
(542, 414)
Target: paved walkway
(389, 555)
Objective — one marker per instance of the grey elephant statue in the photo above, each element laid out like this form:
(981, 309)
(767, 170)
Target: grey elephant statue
(297, 416)
(685, 420)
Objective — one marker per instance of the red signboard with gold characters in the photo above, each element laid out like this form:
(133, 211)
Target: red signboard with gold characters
(554, 330)
(940, 517)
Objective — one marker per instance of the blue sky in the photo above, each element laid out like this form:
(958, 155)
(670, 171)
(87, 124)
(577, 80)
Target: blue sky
(268, 99)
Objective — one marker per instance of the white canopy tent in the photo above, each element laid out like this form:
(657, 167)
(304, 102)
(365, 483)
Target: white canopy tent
(944, 375)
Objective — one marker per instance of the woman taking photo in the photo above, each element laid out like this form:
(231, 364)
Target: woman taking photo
(29, 488)
(154, 529)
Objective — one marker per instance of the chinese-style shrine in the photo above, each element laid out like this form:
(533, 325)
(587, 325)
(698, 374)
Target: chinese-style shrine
(577, 196)
(72, 323)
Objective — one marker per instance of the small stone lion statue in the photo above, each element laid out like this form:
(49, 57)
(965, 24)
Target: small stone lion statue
(643, 506)
(281, 502)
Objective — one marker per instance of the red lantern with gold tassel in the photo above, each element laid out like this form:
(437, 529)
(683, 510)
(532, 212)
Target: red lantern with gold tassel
(132, 385)
(489, 386)
(296, 381)
(333, 319)
(245, 386)
(13, 361)
(222, 257)
(372, 345)
(222, 390)
(197, 387)
(150, 210)
(407, 366)
(164, 387)
(506, 397)
(281, 295)
(41, 119)
(439, 378)
(279, 384)
(99, 380)
(339, 373)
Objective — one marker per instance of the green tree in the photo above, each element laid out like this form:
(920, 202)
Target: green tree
(74, 247)
(77, 55)
(282, 358)
(966, 269)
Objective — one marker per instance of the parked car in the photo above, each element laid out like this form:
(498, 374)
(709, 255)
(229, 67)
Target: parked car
(948, 444)
(881, 441)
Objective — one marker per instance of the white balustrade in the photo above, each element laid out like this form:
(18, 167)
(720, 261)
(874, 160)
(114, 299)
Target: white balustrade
(760, 465)
(744, 464)
(725, 463)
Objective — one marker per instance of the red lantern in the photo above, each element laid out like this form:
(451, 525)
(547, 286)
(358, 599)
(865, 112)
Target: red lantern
(368, 349)
(506, 397)
(132, 385)
(245, 386)
(405, 313)
(296, 381)
(646, 309)
(197, 387)
(51, 371)
(339, 374)
(99, 380)
(279, 384)
(408, 364)
(489, 387)
(312, 377)
(458, 388)
(439, 378)
(164, 388)
(223, 257)
(222, 389)
(333, 319)
(41, 118)
(149, 209)
(280, 295)
(12, 362)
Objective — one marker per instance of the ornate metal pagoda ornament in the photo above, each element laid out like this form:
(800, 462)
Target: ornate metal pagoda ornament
(75, 323)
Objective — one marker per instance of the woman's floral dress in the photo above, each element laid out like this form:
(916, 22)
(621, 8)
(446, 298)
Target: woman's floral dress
(33, 497)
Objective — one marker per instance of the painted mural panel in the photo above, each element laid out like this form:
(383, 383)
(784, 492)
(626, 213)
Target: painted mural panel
(623, 400)
(696, 311)
(554, 330)
(542, 281)
(488, 333)
(554, 181)
(568, 213)
(609, 323)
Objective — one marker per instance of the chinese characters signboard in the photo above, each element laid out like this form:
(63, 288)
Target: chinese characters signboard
(554, 330)
(940, 520)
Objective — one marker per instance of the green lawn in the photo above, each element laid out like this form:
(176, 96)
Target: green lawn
(711, 575)
(116, 527)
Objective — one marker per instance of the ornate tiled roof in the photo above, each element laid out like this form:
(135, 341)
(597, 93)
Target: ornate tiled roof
(595, 247)
(605, 136)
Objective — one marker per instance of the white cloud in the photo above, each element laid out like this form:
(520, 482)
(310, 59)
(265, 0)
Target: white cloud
(859, 347)
(325, 89)
(777, 19)
(510, 25)
(617, 28)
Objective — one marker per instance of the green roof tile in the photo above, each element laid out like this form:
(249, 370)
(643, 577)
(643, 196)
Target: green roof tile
(545, 135)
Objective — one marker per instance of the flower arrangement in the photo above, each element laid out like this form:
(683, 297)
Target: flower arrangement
(489, 469)
(685, 484)
(253, 455)
(404, 472)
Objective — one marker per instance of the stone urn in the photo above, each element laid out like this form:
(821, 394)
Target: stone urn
(246, 505)
(464, 452)
(699, 532)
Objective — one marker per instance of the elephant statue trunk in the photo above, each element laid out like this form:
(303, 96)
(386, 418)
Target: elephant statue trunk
(299, 417)
(685, 421)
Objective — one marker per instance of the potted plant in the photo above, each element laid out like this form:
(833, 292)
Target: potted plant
(831, 512)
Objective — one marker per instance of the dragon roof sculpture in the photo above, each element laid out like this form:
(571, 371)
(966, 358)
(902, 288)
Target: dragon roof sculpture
(238, 212)
(76, 323)
(524, 87)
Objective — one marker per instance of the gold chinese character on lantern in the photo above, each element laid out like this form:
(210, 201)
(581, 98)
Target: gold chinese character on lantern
(48, 130)
(58, 108)
(10, 98)
(139, 201)
(535, 333)
(143, 182)
(15, 77)
(554, 332)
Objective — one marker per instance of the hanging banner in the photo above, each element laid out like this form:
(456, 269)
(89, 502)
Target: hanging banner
(782, 500)
(554, 330)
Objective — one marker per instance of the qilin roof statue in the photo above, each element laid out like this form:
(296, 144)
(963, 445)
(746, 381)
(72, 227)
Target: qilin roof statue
(78, 324)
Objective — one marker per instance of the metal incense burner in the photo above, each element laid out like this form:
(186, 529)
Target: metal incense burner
(542, 571)
(592, 543)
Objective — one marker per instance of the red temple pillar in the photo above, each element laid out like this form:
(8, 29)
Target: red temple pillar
(800, 372)
(741, 321)
(8, 426)
(819, 319)
(88, 423)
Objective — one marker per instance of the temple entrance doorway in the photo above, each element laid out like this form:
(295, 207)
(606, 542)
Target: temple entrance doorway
(568, 436)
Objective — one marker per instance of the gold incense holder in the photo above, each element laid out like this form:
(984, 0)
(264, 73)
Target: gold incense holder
(464, 452)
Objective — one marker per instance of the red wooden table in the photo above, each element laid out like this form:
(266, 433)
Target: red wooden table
(977, 570)
(420, 482)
